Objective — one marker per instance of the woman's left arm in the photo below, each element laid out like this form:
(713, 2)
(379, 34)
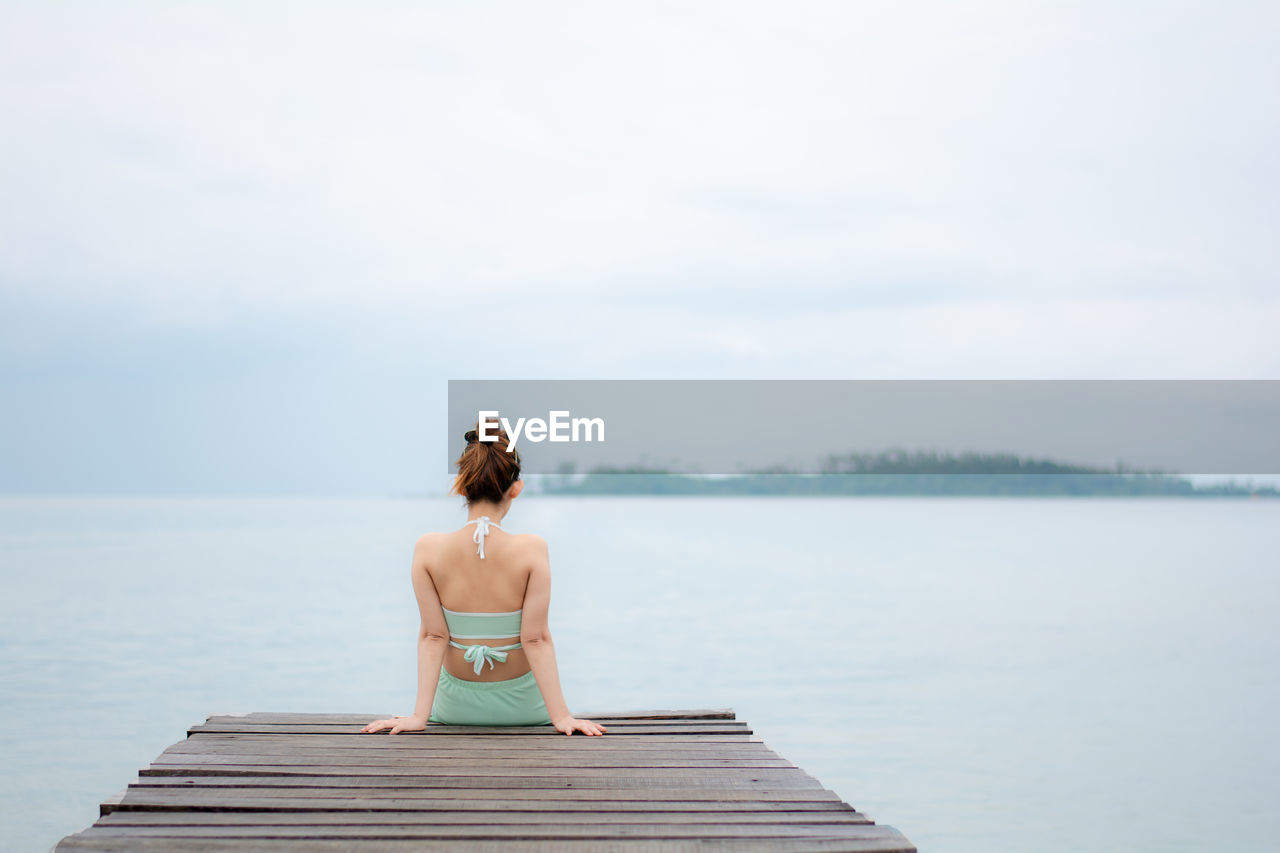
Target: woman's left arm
(433, 641)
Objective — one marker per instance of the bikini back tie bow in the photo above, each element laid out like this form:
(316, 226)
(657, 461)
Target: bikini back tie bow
(477, 654)
(483, 523)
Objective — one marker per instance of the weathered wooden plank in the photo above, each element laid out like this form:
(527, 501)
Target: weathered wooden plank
(361, 719)
(887, 840)
(402, 740)
(246, 724)
(482, 819)
(543, 831)
(326, 786)
(548, 756)
(458, 746)
(710, 727)
(516, 776)
(412, 765)
(533, 741)
(204, 799)
(630, 783)
(328, 759)
(112, 802)
(196, 765)
(354, 744)
(433, 752)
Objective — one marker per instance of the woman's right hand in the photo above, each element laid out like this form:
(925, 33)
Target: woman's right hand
(397, 724)
(569, 725)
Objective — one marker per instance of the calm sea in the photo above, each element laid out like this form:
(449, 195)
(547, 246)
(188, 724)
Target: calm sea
(984, 674)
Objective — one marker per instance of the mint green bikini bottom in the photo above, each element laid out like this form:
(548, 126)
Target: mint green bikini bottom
(514, 702)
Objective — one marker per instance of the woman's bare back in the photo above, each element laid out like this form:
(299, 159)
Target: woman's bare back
(495, 584)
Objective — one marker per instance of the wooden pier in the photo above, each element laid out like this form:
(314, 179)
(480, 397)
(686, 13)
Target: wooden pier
(657, 781)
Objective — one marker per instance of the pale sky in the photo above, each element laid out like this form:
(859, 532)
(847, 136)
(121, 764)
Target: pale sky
(246, 245)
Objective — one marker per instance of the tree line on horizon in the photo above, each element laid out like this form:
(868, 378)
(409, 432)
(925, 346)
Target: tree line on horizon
(898, 472)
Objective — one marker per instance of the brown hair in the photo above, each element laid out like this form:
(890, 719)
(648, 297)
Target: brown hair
(486, 469)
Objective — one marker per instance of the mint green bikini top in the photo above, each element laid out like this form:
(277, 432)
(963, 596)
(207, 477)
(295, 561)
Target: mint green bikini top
(480, 626)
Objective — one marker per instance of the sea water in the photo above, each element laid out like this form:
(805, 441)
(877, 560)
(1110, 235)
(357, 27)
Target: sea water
(1047, 674)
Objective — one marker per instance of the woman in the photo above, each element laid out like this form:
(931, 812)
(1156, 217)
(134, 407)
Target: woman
(497, 586)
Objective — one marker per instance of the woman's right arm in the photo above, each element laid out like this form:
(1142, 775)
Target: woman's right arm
(540, 651)
(433, 642)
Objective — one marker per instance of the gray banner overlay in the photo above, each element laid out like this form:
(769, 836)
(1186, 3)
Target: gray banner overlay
(741, 426)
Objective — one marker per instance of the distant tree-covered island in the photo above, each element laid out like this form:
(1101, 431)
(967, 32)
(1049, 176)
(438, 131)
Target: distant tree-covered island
(898, 472)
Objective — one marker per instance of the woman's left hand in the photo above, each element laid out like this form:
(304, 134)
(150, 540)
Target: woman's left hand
(397, 724)
(570, 724)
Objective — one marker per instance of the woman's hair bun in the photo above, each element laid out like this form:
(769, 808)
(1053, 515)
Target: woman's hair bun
(486, 469)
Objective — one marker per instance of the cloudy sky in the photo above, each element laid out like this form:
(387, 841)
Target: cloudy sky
(246, 245)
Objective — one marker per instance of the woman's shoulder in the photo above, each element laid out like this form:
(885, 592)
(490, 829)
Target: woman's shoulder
(531, 541)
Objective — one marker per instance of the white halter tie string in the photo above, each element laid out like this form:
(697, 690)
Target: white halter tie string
(483, 523)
